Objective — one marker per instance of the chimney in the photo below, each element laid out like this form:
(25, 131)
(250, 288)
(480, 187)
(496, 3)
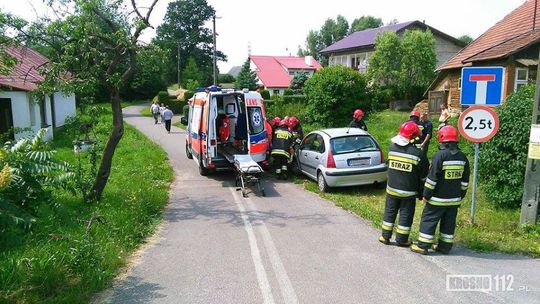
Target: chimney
(308, 60)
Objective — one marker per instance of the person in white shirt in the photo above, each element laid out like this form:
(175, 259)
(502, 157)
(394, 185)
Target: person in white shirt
(167, 116)
(154, 109)
(161, 110)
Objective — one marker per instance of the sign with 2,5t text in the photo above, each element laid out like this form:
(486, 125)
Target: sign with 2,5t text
(478, 124)
(482, 86)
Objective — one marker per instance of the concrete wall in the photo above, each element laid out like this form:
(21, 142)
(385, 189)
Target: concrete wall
(64, 107)
(445, 49)
(26, 114)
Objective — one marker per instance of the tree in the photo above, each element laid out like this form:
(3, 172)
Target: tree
(99, 44)
(417, 63)
(466, 38)
(313, 45)
(149, 78)
(333, 93)
(385, 64)
(331, 31)
(246, 79)
(365, 22)
(298, 81)
(392, 22)
(184, 27)
(191, 74)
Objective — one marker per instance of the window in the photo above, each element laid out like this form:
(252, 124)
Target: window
(352, 144)
(522, 77)
(307, 144)
(318, 144)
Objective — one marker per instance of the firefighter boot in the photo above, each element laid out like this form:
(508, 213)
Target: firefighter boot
(441, 249)
(418, 249)
(384, 240)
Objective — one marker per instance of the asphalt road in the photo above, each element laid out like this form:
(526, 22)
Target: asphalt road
(292, 247)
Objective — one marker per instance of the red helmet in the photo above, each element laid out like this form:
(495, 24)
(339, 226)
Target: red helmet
(358, 113)
(276, 121)
(293, 121)
(285, 121)
(447, 134)
(409, 130)
(415, 113)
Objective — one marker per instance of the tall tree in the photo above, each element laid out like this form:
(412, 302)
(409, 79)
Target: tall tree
(184, 28)
(417, 63)
(365, 22)
(99, 44)
(330, 32)
(385, 64)
(466, 38)
(191, 75)
(246, 79)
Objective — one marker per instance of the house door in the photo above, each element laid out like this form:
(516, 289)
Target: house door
(6, 117)
(436, 99)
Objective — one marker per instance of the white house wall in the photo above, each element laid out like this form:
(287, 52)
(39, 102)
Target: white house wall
(64, 107)
(26, 114)
(444, 49)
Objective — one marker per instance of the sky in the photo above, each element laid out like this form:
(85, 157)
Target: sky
(278, 27)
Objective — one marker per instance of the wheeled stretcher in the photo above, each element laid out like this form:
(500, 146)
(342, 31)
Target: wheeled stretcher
(248, 172)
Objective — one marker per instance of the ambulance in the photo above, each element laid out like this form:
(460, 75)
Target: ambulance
(222, 123)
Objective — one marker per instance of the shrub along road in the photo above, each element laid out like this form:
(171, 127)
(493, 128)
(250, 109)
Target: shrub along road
(289, 247)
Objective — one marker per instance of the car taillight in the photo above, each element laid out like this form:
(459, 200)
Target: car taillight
(330, 162)
(382, 156)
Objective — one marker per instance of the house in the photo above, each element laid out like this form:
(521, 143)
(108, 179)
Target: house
(354, 50)
(511, 43)
(21, 112)
(276, 72)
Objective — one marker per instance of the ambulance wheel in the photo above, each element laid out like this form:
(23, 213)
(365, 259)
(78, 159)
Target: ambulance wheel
(323, 186)
(202, 170)
(188, 153)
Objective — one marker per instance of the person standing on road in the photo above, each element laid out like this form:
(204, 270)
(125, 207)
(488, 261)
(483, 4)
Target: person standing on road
(281, 145)
(154, 109)
(427, 132)
(445, 187)
(358, 121)
(161, 110)
(167, 116)
(407, 167)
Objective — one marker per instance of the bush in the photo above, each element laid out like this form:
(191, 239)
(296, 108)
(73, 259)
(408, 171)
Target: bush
(265, 94)
(333, 93)
(163, 97)
(226, 78)
(185, 111)
(503, 159)
(175, 105)
(300, 100)
(282, 109)
(288, 91)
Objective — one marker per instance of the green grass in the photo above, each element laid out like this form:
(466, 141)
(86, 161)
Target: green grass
(179, 125)
(63, 259)
(494, 229)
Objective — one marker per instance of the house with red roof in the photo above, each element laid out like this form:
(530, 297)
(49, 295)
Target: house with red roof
(21, 112)
(355, 50)
(512, 43)
(276, 72)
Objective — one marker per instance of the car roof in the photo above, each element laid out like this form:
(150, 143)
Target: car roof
(338, 132)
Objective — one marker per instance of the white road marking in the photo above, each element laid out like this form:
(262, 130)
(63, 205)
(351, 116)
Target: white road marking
(285, 285)
(264, 285)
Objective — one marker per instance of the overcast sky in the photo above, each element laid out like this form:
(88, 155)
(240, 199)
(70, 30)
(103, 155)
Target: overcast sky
(277, 27)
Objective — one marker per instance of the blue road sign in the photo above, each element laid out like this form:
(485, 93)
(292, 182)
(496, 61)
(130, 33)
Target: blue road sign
(482, 86)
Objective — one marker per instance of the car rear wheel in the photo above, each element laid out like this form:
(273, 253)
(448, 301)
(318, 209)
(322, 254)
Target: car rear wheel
(323, 186)
(188, 153)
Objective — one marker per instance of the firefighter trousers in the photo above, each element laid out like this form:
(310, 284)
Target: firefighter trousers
(431, 216)
(280, 163)
(405, 207)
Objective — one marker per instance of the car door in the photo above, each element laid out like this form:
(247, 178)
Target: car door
(315, 156)
(304, 154)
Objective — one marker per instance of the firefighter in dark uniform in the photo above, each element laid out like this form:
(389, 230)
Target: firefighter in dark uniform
(445, 187)
(281, 145)
(357, 121)
(407, 168)
(415, 117)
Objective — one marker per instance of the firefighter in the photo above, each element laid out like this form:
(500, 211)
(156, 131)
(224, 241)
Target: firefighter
(407, 167)
(445, 187)
(415, 117)
(296, 129)
(357, 121)
(281, 145)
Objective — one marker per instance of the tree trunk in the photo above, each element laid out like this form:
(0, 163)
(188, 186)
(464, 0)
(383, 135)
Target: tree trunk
(108, 153)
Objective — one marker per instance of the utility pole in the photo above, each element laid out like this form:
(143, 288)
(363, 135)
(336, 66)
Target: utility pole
(215, 59)
(178, 63)
(531, 191)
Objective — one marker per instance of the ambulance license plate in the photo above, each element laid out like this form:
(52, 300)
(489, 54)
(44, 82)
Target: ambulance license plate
(359, 162)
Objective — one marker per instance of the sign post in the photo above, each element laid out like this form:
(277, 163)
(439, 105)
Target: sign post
(477, 124)
(481, 87)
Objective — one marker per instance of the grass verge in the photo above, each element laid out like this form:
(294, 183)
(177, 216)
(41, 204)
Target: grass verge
(494, 229)
(76, 249)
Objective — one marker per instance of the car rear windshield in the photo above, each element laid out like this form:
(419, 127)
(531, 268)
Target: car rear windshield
(352, 144)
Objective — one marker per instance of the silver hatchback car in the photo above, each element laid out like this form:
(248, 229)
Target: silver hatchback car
(341, 157)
